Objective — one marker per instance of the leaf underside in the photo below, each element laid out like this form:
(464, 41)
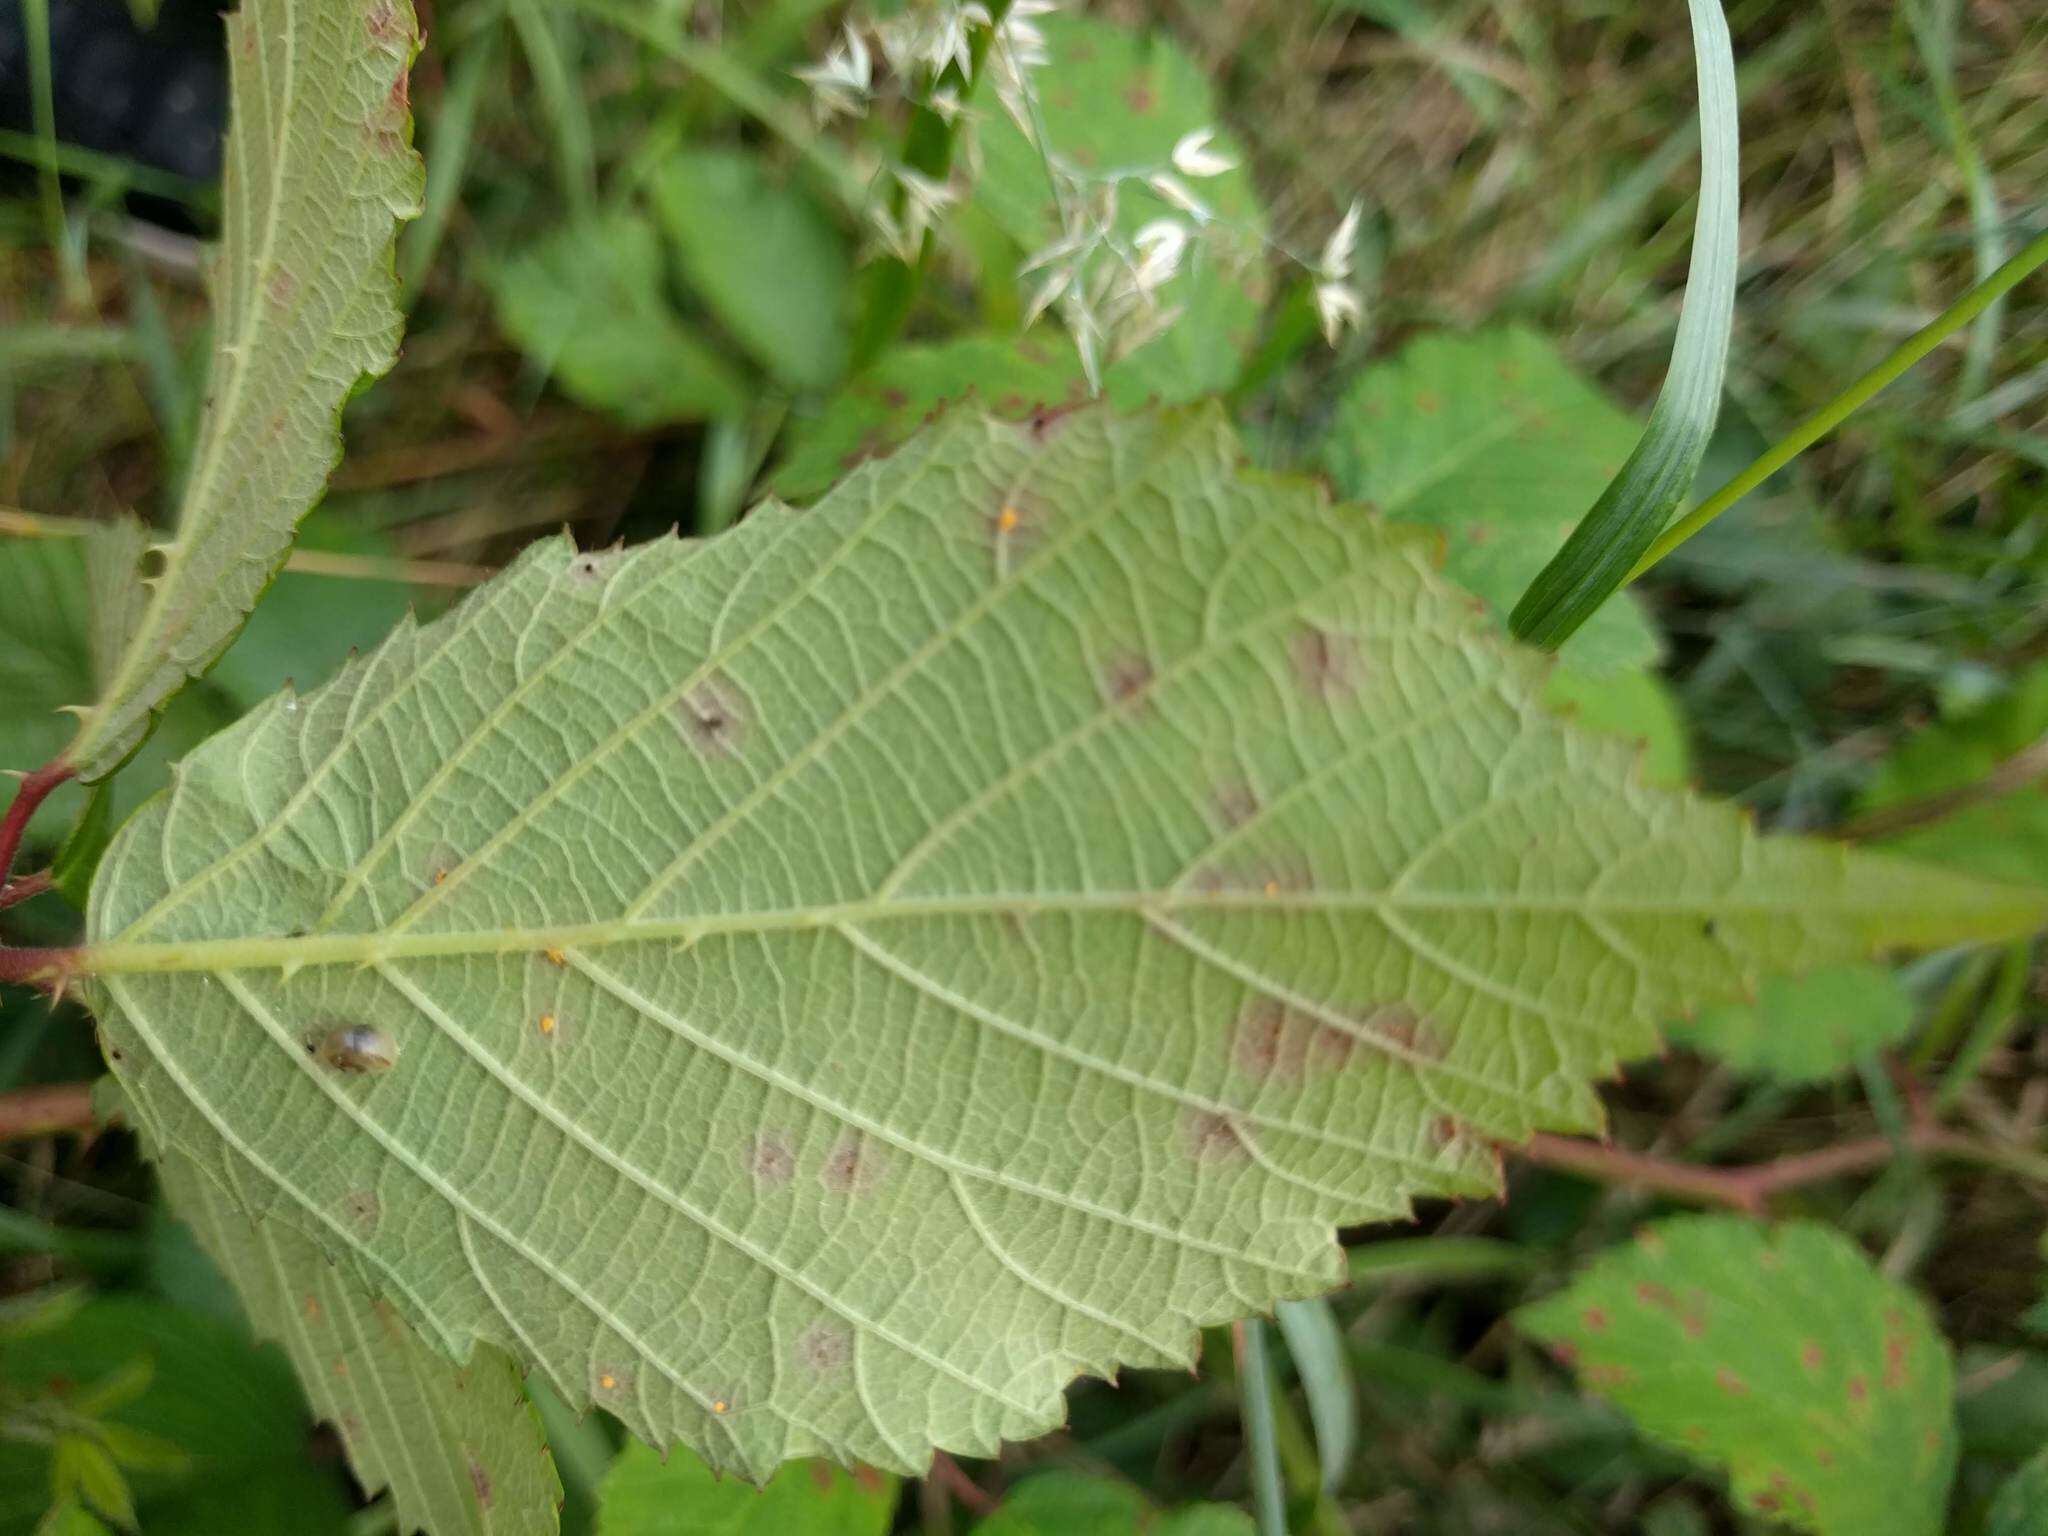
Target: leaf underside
(319, 169)
(851, 975)
(459, 1446)
(1782, 1354)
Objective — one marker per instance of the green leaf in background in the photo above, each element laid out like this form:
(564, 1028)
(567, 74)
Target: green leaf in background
(1803, 1029)
(2021, 1508)
(1493, 438)
(763, 257)
(645, 1495)
(319, 170)
(459, 1446)
(1778, 1353)
(589, 304)
(1008, 376)
(1636, 706)
(47, 629)
(233, 1410)
(743, 914)
(1073, 1504)
(2004, 836)
(1116, 100)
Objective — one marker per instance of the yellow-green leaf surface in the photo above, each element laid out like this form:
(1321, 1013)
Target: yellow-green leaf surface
(848, 976)
(459, 1447)
(1781, 1354)
(319, 169)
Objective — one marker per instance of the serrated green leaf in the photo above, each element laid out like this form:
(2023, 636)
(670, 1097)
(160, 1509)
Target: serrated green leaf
(1115, 100)
(319, 169)
(643, 1495)
(1494, 439)
(1780, 1354)
(459, 1447)
(1636, 706)
(1073, 1504)
(589, 303)
(2021, 1508)
(1804, 1029)
(763, 257)
(851, 975)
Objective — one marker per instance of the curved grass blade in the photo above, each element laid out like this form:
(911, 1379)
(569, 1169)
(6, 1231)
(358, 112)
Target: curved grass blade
(1316, 1345)
(1634, 508)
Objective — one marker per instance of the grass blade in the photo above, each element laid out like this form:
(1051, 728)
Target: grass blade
(1261, 1444)
(1630, 513)
(1317, 1347)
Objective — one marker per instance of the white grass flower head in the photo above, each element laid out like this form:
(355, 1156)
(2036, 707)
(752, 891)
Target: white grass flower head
(1341, 247)
(843, 80)
(1193, 157)
(923, 201)
(1160, 246)
(1338, 306)
(1176, 193)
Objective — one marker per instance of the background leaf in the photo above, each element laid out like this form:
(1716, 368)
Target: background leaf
(647, 1495)
(2021, 1508)
(839, 996)
(1804, 1029)
(589, 303)
(319, 169)
(1073, 1504)
(1494, 439)
(1778, 1353)
(763, 257)
(458, 1446)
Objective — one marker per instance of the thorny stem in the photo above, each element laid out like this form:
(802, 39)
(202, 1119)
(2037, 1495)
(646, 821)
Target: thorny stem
(14, 892)
(44, 967)
(1751, 1189)
(971, 1495)
(33, 790)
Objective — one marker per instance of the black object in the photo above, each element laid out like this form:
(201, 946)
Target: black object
(155, 95)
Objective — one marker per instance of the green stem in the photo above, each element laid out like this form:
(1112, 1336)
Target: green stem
(1850, 400)
(1994, 1024)
(35, 21)
(1255, 1394)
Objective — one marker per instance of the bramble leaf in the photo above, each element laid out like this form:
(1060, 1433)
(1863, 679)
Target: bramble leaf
(319, 170)
(645, 1495)
(1779, 1353)
(459, 1447)
(844, 978)
(1494, 439)
(1804, 1029)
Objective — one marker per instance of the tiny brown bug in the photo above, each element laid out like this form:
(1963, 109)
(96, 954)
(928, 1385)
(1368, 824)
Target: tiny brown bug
(356, 1048)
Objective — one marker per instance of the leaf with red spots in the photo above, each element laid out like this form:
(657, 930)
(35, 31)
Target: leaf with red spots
(831, 1006)
(645, 1494)
(459, 1447)
(319, 170)
(1779, 1354)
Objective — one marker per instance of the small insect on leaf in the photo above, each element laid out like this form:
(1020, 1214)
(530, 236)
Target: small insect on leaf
(356, 1048)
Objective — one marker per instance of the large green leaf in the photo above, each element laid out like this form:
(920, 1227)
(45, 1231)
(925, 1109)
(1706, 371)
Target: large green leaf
(1781, 1354)
(1494, 439)
(459, 1447)
(319, 170)
(646, 1494)
(848, 976)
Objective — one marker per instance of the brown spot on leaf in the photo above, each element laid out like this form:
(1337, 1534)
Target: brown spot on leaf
(1859, 1389)
(771, 1160)
(824, 1347)
(1215, 1138)
(853, 1167)
(1326, 663)
(1811, 1355)
(712, 719)
(281, 287)
(1139, 99)
(363, 1211)
(1565, 1353)
(312, 1308)
(821, 1476)
(1895, 1360)
(1429, 402)
(1236, 803)
(1604, 1377)
(1595, 1319)
(480, 1480)
(1125, 680)
(1730, 1383)
(869, 1479)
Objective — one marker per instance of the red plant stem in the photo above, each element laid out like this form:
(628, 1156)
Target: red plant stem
(49, 969)
(1746, 1189)
(30, 793)
(45, 1110)
(971, 1495)
(17, 891)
